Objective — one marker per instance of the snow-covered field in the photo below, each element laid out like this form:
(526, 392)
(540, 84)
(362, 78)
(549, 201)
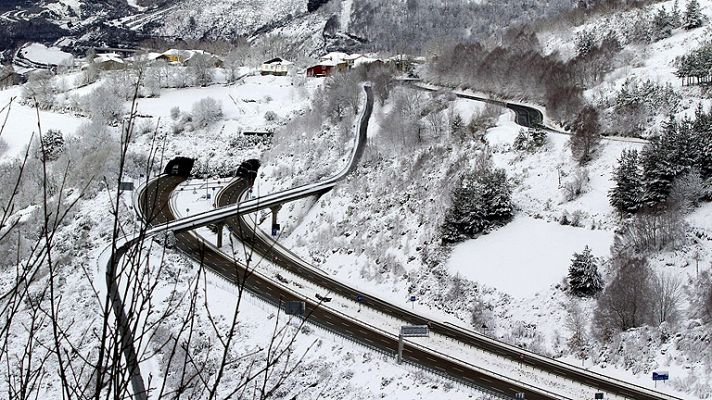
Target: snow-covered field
(22, 122)
(526, 256)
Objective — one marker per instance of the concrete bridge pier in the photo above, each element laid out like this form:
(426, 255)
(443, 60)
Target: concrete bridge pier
(221, 228)
(275, 225)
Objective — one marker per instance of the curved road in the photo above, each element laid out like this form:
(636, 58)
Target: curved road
(158, 191)
(371, 336)
(266, 247)
(153, 204)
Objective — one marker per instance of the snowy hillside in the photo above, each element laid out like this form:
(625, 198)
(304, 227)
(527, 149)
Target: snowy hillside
(585, 237)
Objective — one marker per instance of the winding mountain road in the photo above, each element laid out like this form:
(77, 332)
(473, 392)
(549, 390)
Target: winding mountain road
(154, 200)
(269, 248)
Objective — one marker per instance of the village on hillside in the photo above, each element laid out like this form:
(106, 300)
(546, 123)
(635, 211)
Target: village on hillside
(35, 56)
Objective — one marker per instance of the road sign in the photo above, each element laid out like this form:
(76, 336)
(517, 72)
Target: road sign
(410, 331)
(295, 308)
(126, 186)
(519, 395)
(275, 229)
(661, 376)
(412, 298)
(415, 331)
(598, 396)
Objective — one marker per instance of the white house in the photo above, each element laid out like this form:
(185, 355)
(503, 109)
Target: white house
(276, 66)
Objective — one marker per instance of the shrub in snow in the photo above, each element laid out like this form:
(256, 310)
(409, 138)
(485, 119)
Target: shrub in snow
(584, 279)
(175, 113)
(52, 145)
(529, 139)
(270, 116)
(93, 152)
(104, 104)
(481, 200)
(576, 185)
(686, 192)
(206, 111)
(3, 146)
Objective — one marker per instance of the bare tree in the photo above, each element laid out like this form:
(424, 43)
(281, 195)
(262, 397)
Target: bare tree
(576, 322)
(669, 296)
(627, 301)
(200, 67)
(586, 135)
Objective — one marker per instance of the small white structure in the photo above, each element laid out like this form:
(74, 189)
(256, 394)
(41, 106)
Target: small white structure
(110, 62)
(335, 56)
(276, 66)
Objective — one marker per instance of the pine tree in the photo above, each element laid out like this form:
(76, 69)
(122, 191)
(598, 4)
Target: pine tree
(585, 42)
(702, 132)
(662, 24)
(693, 15)
(52, 145)
(457, 127)
(480, 201)
(626, 194)
(658, 170)
(538, 136)
(675, 16)
(584, 279)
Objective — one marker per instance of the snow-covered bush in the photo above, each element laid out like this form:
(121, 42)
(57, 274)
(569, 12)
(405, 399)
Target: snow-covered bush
(175, 113)
(3, 146)
(39, 89)
(206, 112)
(529, 139)
(105, 104)
(52, 145)
(575, 186)
(93, 154)
(270, 116)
